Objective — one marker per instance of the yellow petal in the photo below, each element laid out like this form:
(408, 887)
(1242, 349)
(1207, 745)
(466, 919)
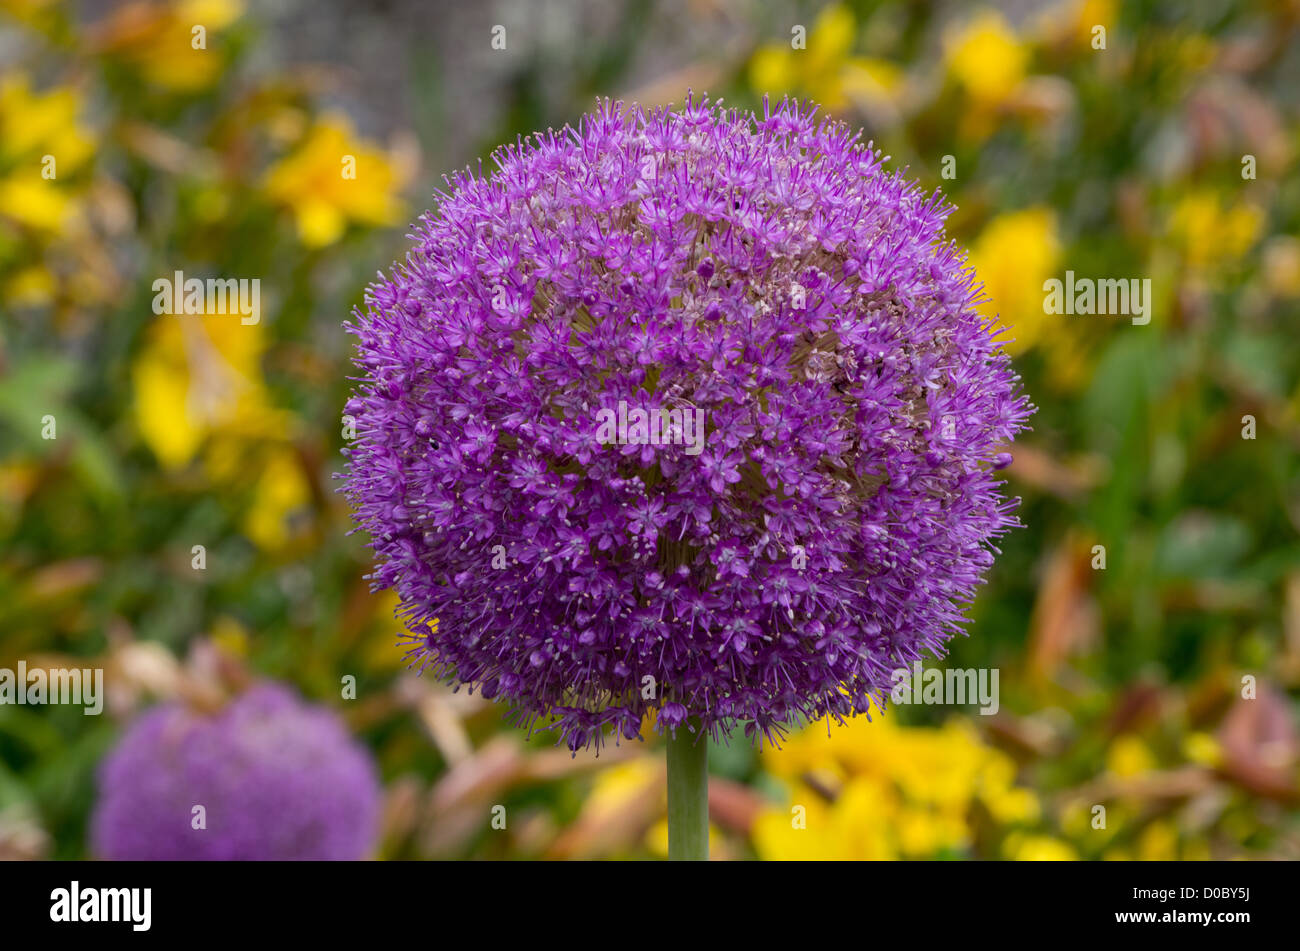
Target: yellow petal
(987, 58)
(35, 202)
(771, 70)
(281, 489)
(319, 223)
(1013, 257)
(832, 35)
(30, 287)
(161, 397)
(213, 14)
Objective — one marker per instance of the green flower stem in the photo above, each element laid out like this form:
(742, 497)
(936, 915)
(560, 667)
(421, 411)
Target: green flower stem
(688, 796)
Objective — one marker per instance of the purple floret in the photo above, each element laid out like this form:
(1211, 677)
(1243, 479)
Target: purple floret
(765, 270)
(277, 779)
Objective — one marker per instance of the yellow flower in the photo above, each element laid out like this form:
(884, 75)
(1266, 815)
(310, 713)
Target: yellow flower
(281, 489)
(1038, 848)
(860, 824)
(33, 125)
(41, 144)
(229, 635)
(198, 388)
(825, 71)
(1010, 805)
(1202, 748)
(1129, 756)
(879, 791)
(37, 204)
(1158, 842)
(159, 40)
(1074, 818)
(30, 287)
(332, 179)
(926, 832)
(198, 376)
(986, 58)
(617, 784)
(1210, 236)
(1013, 257)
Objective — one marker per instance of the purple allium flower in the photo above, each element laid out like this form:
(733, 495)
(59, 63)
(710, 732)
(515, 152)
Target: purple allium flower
(277, 778)
(765, 271)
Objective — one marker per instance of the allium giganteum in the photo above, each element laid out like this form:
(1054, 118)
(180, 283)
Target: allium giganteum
(278, 780)
(765, 270)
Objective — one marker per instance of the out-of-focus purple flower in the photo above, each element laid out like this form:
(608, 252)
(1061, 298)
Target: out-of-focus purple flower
(764, 271)
(277, 779)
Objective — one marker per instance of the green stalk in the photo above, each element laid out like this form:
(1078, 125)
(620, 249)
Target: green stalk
(688, 796)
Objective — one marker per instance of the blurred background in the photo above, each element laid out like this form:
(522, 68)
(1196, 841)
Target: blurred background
(1158, 679)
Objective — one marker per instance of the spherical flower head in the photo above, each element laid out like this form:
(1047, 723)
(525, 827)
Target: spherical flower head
(278, 779)
(685, 411)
